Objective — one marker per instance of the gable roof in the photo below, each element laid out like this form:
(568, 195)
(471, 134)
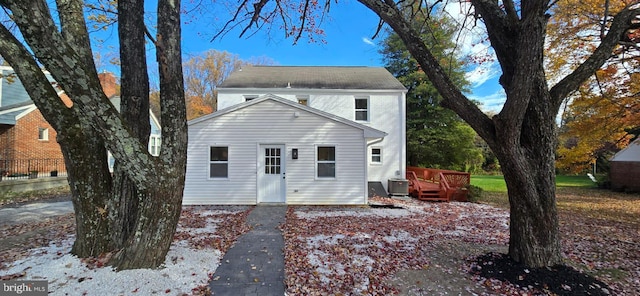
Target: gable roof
(10, 114)
(368, 131)
(630, 153)
(313, 77)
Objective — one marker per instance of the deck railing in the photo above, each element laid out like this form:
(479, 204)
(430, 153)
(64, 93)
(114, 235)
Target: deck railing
(11, 169)
(452, 184)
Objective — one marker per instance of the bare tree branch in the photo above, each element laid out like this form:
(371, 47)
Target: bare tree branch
(378, 29)
(304, 18)
(149, 35)
(603, 26)
(257, 9)
(512, 14)
(231, 21)
(74, 30)
(453, 98)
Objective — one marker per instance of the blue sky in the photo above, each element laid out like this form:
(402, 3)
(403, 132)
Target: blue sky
(348, 28)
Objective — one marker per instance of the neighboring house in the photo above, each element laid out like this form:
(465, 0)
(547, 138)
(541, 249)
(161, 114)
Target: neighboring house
(298, 135)
(624, 168)
(25, 134)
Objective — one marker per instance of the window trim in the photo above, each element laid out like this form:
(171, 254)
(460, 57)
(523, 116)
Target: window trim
(43, 134)
(335, 161)
(371, 160)
(367, 110)
(210, 162)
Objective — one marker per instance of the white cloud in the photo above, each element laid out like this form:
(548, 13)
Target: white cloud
(491, 103)
(482, 73)
(368, 41)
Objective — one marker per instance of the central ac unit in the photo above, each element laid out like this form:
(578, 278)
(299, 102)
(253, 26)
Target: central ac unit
(398, 187)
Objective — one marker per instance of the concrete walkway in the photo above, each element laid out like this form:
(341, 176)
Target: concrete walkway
(35, 211)
(254, 265)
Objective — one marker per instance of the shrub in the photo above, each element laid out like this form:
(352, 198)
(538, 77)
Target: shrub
(603, 181)
(474, 193)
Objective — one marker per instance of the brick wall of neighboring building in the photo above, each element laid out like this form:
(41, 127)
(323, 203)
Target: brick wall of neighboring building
(109, 84)
(7, 137)
(625, 175)
(28, 143)
(20, 143)
(28, 146)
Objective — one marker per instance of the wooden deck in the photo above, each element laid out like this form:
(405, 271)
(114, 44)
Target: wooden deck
(438, 185)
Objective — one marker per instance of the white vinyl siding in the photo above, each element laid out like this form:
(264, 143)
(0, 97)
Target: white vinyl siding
(271, 122)
(386, 113)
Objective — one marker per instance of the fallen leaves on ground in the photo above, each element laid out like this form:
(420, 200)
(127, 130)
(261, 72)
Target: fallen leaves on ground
(46, 246)
(359, 250)
(228, 223)
(16, 240)
(600, 204)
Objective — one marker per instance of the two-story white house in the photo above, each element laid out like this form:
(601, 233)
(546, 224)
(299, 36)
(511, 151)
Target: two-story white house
(298, 135)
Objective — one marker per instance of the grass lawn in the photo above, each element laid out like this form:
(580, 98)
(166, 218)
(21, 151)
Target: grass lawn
(575, 195)
(496, 183)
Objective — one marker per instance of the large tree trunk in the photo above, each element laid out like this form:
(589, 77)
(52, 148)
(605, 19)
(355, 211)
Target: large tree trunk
(144, 218)
(522, 135)
(529, 172)
(134, 109)
(84, 153)
(156, 223)
(90, 183)
(160, 203)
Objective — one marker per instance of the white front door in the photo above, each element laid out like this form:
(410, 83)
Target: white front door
(271, 174)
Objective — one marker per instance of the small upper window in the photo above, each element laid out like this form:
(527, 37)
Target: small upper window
(249, 98)
(218, 162)
(376, 155)
(154, 145)
(304, 100)
(362, 109)
(43, 134)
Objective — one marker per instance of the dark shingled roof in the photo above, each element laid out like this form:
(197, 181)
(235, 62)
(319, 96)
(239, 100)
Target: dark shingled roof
(312, 78)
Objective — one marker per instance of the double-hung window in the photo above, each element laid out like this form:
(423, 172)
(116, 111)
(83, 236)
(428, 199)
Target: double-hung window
(362, 109)
(218, 162)
(376, 155)
(326, 162)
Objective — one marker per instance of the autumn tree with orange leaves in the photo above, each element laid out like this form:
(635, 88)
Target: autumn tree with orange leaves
(600, 117)
(202, 75)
